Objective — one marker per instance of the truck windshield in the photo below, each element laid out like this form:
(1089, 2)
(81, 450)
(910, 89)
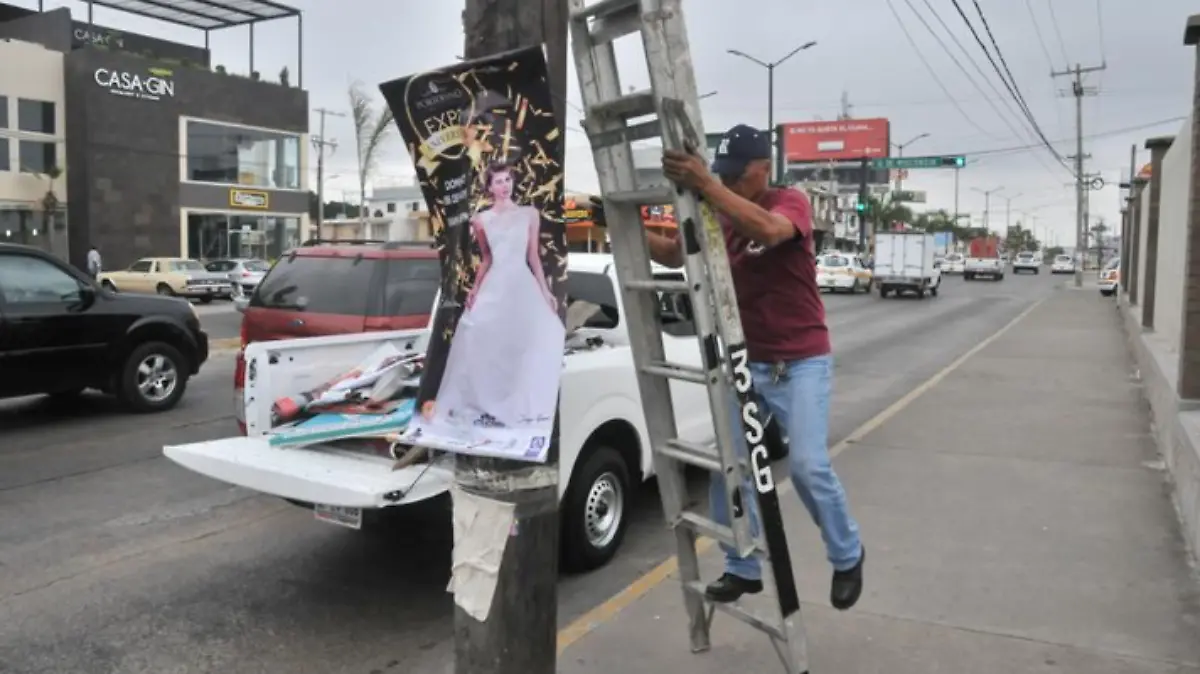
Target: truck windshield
(834, 261)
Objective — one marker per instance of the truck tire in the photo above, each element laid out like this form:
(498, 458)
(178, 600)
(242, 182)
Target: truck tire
(934, 290)
(920, 293)
(152, 377)
(883, 291)
(968, 276)
(595, 510)
(999, 277)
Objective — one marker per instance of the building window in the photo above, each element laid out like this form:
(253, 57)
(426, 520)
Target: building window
(38, 156)
(5, 162)
(3, 112)
(391, 208)
(35, 116)
(238, 156)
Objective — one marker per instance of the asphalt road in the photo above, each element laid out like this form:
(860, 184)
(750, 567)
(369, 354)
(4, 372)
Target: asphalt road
(220, 319)
(115, 560)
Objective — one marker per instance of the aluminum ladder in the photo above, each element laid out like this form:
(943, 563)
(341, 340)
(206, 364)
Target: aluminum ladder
(669, 110)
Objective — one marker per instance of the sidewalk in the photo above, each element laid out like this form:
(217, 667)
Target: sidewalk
(1017, 517)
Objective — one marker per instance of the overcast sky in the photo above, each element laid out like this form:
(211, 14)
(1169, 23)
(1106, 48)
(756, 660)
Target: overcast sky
(862, 51)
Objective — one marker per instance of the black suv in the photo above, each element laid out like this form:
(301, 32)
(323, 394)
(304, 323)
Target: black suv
(60, 333)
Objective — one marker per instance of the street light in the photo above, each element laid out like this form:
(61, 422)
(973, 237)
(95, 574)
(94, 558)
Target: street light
(900, 153)
(987, 202)
(708, 95)
(770, 66)
(1008, 211)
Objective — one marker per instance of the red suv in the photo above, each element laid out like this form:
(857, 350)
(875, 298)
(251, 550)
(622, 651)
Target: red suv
(339, 287)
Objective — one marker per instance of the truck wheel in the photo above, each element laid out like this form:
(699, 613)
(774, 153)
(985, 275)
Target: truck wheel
(108, 285)
(153, 377)
(999, 277)
(164, 289)
(934, 290)
(920, 293)
(883, 291)
(967, 276)
(595, 511)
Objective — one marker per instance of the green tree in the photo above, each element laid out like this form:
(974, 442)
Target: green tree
(883, 213)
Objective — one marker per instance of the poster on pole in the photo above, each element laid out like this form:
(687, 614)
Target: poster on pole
(488, 156)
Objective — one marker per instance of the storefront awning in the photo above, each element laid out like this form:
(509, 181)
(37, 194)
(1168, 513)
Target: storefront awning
(203, 14)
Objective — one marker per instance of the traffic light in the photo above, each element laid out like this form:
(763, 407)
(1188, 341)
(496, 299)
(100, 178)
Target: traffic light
(860, 207)
(960, 162)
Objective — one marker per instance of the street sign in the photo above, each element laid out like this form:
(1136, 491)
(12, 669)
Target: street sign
(909, 196)
(949, 161)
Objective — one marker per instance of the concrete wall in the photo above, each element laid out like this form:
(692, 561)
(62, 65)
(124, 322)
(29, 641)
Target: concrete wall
(1172, 230)
(1159, 349)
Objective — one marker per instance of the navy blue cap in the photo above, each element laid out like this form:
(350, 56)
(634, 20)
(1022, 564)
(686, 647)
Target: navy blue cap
(738, 147)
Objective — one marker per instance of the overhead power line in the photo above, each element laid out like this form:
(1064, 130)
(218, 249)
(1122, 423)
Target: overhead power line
(932, 72)
(1010, 86)
(1038, 31)
(1090, 136)
(1058, 31)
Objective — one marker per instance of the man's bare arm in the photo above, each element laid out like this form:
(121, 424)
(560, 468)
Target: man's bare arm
(665, 250)
(748, 218)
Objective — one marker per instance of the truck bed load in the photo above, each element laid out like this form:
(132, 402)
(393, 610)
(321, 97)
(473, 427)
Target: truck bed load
(904, 262)
(984, 247)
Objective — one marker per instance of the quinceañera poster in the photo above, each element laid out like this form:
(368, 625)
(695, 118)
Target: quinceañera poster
(488, 156)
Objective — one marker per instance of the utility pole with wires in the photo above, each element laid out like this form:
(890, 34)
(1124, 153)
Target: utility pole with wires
(319, 142)
(1079, 91)
(987, 204)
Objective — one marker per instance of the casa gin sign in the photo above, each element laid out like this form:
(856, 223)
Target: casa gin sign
(153, 85)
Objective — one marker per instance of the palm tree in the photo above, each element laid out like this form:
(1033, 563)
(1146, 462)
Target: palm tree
(883, 213)
(370, 130)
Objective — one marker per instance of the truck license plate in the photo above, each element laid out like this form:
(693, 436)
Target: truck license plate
(341, 516)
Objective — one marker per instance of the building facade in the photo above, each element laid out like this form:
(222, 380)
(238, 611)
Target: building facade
(164, 157)
(32, 134)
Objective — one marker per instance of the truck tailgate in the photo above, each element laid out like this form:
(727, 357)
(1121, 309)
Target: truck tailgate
(319, 475)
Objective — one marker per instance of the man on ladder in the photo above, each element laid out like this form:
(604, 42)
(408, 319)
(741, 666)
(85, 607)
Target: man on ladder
(769, 237)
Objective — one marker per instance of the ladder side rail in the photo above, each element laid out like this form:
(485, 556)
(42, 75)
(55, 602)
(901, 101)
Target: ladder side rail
(671, 71)
(671, 75)
(598, 80)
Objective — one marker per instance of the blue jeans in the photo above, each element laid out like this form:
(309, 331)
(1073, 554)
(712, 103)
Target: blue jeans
(800, 403)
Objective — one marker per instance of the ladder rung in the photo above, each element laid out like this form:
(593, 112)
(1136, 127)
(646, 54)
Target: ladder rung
(656, 195)
(739, 612)
(693, 455)
(617, 25)
(706, 527)
(635, 104)
(676, 371)
(658, 286)
(602, 8)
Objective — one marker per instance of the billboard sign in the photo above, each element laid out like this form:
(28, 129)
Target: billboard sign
(843, 139)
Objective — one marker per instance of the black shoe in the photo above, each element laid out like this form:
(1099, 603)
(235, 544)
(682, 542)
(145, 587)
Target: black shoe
(847, 585)
(729, 588)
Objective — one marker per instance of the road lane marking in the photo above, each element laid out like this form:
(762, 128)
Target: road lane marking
(606, 611)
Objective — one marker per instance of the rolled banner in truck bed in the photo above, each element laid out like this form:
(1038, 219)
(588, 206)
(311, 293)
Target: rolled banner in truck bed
(488, 156)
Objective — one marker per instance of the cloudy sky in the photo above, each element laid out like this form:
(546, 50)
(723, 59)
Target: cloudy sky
(862, 50)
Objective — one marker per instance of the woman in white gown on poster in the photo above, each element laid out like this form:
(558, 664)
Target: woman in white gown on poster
(506, 355)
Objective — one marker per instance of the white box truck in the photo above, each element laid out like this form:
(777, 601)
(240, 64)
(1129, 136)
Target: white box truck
(904, 262)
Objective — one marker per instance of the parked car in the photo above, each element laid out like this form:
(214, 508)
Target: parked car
(171, 276)
(1110, 277)
(1027, 261)
(604, 449)
(244, 274)
(1063, 264)
(953, 263)
(843, 271)
(61, 333)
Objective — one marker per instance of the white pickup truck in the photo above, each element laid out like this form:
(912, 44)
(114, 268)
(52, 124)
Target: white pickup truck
(603, 450)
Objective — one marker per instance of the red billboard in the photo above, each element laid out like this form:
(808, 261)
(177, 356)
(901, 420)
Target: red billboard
(837, 140)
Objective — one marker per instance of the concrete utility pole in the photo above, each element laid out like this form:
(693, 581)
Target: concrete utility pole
(1079, 91)
(320, 143)
(520, 633)
(987, 203)
(776, 142)
(900, 153)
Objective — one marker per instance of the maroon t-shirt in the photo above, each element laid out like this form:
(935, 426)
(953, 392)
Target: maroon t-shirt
(783, 315)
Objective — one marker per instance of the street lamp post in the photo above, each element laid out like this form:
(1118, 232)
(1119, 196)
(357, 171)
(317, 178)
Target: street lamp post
(1008, 215)
(987, 202)
(777, 162)
(900, 153)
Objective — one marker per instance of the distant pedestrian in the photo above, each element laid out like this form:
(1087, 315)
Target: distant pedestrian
(93, 263)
